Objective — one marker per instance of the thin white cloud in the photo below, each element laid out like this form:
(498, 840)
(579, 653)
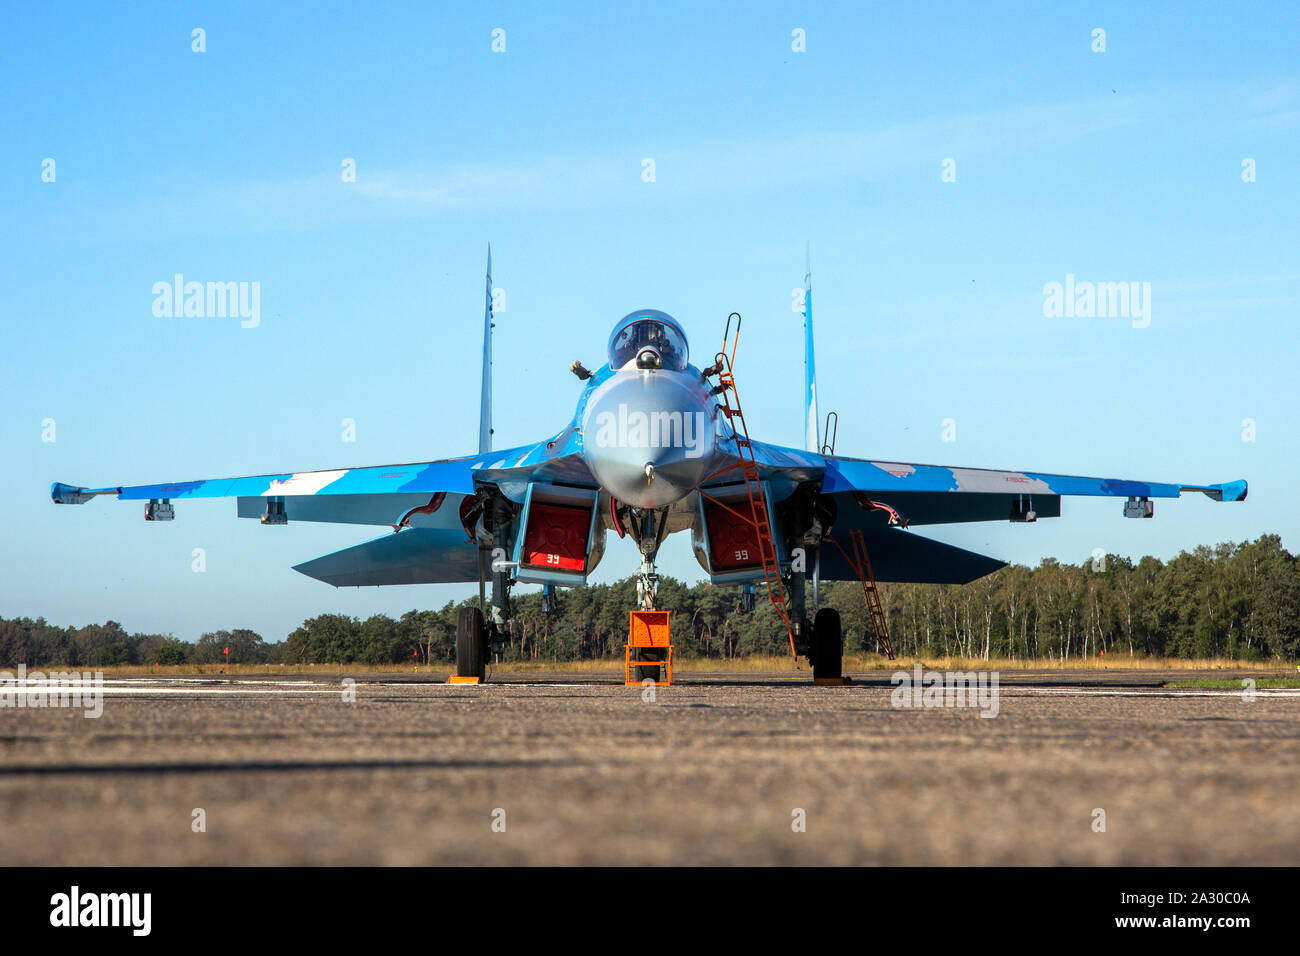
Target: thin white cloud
(709, 169)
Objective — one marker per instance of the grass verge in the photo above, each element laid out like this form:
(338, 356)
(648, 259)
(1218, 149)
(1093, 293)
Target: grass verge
(752, 664)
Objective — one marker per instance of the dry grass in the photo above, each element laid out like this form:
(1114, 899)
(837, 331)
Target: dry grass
(1109, 662)
(754, 664)
(868, 662)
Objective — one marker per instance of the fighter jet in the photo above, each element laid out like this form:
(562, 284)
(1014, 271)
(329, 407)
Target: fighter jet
(656, 445)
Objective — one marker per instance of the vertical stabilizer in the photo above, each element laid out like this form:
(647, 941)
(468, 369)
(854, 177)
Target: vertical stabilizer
(485, 405)
(812, 426)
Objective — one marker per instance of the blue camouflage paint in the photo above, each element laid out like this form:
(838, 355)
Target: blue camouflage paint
(451, 475)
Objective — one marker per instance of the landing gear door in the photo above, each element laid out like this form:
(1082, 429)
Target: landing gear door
(561, 535)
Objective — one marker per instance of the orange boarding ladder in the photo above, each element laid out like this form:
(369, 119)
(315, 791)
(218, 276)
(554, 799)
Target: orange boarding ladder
(861, 565)
(730, 406)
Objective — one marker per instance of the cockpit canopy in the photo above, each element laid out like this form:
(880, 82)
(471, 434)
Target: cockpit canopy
(650, 338)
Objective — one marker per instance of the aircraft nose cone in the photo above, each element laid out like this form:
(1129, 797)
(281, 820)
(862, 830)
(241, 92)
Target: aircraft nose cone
(648, 437)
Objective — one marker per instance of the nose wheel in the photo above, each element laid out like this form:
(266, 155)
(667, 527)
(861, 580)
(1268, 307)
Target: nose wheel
(644, 671)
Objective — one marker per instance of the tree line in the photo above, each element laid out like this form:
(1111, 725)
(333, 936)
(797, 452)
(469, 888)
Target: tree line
(1235, 601)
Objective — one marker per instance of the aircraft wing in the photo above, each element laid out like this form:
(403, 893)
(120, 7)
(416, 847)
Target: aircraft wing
(415, 479)
(943, 494)
(377, 495)
(869, 496)
(934, 494)
(854, 474)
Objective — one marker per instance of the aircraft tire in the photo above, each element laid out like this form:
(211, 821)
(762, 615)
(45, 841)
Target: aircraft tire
(640, 674)
(828, 645)
(471, 643)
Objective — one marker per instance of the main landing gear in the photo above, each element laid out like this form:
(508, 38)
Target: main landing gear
(822, 638)
(477, 636)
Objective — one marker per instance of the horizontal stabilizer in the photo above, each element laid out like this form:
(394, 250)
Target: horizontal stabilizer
(414, 556)
(904, 556)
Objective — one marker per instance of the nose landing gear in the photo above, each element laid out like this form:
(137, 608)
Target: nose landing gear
(648, 653)
(648, 527)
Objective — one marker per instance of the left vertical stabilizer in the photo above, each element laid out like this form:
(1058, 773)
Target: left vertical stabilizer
(812, 426)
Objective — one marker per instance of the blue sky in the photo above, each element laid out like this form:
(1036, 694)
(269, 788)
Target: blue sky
(225, 166)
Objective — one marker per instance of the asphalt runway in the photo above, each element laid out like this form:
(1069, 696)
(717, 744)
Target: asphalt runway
(576, 769)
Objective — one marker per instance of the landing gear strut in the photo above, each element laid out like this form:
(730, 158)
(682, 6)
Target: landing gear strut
(477, 636)
(503, 515)
(649, 528)
(810, 516)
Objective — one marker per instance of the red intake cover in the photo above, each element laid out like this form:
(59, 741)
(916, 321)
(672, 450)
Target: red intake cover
(733, 541)
(557, 536)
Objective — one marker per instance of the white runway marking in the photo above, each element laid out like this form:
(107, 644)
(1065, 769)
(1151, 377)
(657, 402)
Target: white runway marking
(493, 684)
(1153, 692)
(181, 686)
(168, 681)
(125, 687)
(54, 689)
